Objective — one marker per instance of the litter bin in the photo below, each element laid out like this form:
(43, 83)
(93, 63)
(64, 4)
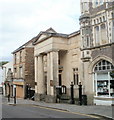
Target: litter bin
(84, 99)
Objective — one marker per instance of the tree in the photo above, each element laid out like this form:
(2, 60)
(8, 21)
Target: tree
(3, 63)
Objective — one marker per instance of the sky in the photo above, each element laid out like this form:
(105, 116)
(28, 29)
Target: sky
(21, 20)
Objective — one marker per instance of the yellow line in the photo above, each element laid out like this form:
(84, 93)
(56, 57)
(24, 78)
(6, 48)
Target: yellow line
(55, 109)
(66, 111)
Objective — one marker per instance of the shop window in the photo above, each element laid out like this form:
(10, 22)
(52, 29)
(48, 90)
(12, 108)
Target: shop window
(104, 83)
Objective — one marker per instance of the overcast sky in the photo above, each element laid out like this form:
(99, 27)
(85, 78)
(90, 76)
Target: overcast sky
(21, 20)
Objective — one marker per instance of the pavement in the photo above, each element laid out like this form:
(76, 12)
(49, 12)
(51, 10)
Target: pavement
(97, 110)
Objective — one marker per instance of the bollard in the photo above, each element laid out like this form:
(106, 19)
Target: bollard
(72, 93)
(15, 94)
(80, 93)
(8, 97)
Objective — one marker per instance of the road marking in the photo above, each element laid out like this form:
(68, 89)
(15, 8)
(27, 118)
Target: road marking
(65, 111)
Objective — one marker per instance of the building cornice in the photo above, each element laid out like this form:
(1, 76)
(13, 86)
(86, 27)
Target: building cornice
(100, 46)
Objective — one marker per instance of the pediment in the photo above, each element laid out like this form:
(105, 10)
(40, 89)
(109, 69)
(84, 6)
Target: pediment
(44, 35)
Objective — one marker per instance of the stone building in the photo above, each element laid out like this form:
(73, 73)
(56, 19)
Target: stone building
(84, 56)
(7, 79)
(97, 46)
(23, 76)
(57, 63)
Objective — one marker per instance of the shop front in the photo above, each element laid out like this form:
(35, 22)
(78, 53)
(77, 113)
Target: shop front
(103, 83)
(20, 89)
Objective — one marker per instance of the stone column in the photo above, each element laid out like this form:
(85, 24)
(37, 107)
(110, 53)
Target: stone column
(100, 41)
(36, 74)
(54, 71)
(48, 73)
(40, 82)
(52, 75)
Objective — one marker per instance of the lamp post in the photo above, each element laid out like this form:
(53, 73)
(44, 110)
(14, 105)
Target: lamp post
(4, 79)
(15, 94)
(29, 91)
(9, 93)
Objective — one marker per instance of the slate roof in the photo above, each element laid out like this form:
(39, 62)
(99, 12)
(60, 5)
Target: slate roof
(50, 33)
(23, 46)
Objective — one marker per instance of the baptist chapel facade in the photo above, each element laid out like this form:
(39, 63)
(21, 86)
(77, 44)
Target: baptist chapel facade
(84, 56)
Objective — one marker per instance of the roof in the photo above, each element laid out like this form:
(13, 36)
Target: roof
(48, 36)
(53, 34)
(74, 33)
(23, 46)
(50, 33)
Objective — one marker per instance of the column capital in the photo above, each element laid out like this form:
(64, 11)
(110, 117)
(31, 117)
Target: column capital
(52, 50)
(40, 54)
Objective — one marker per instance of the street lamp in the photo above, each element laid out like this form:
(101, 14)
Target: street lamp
(3, 78)
(14, 94)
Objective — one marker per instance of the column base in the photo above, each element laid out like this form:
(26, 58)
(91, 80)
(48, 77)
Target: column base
(50, 99)
(45, 98)
(39, 97)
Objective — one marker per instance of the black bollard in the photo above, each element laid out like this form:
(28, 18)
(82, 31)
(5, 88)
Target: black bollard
(15, 95)
(29, 92)
(80, 93)
(8, 97)
(72, 93)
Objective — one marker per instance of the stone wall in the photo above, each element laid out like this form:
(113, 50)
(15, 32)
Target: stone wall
(29, 67)
(106, 51)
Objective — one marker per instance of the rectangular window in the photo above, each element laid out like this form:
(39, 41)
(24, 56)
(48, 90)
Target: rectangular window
(97, 35)
(20, 56)
(15, 70)
(15, 57)
(76, 81)
(75, 76)
(21, 72)
(87, 41)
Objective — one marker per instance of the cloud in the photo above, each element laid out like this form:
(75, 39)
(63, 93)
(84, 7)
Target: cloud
(21, 20)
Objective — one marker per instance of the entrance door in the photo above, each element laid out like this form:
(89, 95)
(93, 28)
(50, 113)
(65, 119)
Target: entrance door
(60, 80)
(60, 83)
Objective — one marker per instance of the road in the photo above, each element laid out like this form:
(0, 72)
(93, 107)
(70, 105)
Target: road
(31, 111)
(34, 111)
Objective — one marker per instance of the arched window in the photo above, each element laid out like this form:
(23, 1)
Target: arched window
(103, 18)
(103, 82)
(103, 65)
(97, 34)
(94, 22)
(103, 34)
(100, 19)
